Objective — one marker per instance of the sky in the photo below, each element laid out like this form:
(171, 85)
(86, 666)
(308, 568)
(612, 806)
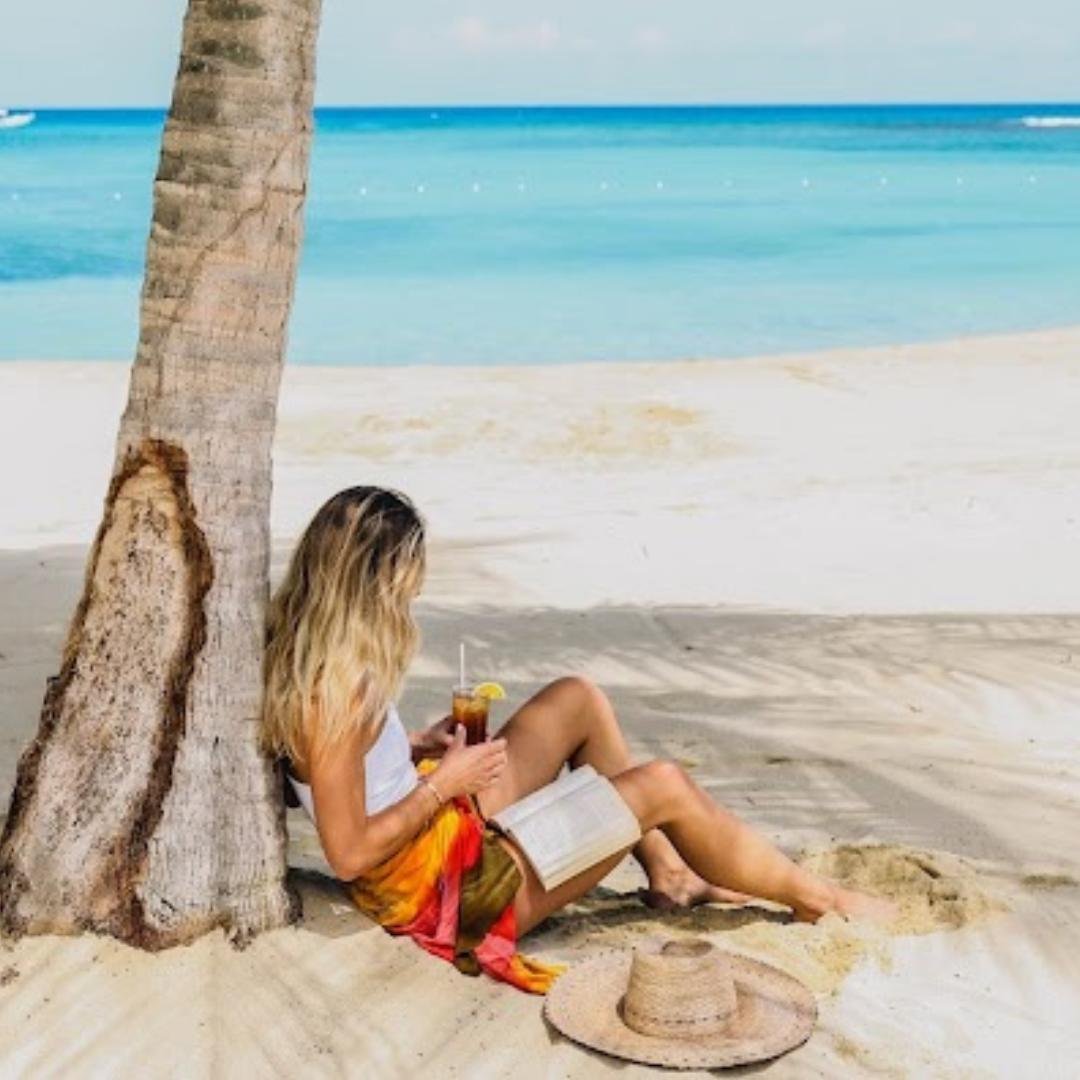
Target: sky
(123, 52)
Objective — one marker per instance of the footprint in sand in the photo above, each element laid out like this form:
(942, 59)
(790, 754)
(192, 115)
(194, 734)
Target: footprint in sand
(1049, 881)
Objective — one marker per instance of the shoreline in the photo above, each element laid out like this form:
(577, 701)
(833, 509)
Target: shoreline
(838, 352)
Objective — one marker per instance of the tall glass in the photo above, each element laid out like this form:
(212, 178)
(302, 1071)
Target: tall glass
(471, 711)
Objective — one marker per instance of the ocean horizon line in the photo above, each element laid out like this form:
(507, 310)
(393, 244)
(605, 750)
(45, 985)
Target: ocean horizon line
(734, 106)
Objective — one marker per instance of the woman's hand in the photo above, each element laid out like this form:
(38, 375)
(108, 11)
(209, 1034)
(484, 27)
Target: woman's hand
(466, 770)
(433, 741)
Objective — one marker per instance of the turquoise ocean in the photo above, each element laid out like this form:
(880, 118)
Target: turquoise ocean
(548, 235)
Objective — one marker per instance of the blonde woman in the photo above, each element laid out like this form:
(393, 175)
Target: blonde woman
(390, 806)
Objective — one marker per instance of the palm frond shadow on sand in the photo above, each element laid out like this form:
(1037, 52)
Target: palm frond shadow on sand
(613, 909)
(817, 729)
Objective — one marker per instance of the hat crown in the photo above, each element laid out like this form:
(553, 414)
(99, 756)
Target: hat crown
(684, 989)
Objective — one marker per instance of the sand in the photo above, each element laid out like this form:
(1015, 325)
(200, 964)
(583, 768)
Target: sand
(934, 890)
(839, 588)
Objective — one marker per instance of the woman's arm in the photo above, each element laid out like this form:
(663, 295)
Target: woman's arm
(433, 741)
(355, 842)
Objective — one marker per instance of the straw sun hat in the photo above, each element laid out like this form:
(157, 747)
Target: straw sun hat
(683, 1004)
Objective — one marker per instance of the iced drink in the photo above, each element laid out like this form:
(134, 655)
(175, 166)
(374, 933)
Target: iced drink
(471, 710)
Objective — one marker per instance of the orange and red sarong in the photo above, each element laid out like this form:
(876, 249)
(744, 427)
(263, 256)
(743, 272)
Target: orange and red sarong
(452, 891)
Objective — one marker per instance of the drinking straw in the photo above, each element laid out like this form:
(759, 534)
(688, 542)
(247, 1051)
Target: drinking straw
(461, 663)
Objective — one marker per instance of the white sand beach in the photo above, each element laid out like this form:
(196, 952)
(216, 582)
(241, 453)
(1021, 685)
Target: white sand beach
(839, 587)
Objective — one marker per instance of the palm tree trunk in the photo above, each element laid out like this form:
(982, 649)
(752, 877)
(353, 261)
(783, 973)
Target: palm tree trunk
(143, 808)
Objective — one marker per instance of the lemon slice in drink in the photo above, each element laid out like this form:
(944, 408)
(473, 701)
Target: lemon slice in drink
(490, 690)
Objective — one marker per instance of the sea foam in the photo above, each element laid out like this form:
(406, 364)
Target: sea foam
(1050, 121)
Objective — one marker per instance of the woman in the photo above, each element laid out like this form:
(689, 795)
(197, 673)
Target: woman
(402, 817)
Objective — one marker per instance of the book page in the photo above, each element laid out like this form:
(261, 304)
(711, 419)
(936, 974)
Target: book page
(598, 821)
(512, 817)
(576, 830)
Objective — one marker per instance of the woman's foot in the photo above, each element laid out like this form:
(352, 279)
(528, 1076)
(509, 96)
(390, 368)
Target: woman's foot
(863, 907)
(867, 908)
(683, 888)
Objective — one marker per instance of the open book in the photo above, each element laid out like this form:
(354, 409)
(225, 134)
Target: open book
(570, 825)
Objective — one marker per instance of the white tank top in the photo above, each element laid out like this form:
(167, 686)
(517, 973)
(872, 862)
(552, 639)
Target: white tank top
(389, 774)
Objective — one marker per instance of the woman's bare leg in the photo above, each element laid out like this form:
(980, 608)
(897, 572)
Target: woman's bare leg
(716, 844)
(572, 720)
(533, 904)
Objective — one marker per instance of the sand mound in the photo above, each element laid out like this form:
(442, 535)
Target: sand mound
(821, 955)
(935, 890)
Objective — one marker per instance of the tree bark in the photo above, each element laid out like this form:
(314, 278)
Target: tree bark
(143, 808)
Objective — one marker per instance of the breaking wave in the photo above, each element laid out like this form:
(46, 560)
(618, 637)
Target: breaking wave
(1050, 121)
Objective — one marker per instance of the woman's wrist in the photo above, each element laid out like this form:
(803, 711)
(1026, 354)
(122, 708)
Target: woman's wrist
(429, 782)
(442, 784)
(433, 795)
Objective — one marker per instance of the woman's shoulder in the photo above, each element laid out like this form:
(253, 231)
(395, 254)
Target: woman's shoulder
(352, 744)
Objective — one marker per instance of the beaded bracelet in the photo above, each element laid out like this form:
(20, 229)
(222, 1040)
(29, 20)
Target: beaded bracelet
(439, 800)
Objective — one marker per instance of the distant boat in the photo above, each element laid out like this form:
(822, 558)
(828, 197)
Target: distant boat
(14, 120)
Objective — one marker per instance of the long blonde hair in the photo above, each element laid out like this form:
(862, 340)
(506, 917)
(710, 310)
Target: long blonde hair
(339, 630)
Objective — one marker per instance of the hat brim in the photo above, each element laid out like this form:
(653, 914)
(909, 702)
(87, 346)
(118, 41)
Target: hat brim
(774, 1014)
